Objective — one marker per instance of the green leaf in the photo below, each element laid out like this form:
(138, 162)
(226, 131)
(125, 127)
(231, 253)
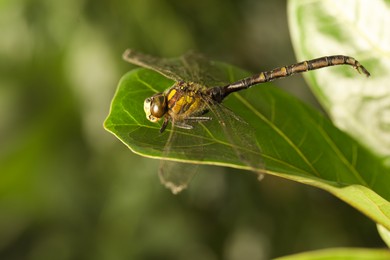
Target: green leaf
(297, 142)
(341, 254)
(384, 233)
(359, 29)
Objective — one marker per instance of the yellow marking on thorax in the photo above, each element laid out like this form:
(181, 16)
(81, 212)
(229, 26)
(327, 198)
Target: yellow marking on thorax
(178, 105)
(183, 103)
(171, 94)
(186, 106)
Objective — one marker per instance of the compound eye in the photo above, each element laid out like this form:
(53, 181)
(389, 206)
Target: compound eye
(155, 107)
(158, 106)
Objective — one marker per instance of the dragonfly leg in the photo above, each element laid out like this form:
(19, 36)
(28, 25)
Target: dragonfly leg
(198, 118)
(164, 125)
(186, 124)
(183, 125)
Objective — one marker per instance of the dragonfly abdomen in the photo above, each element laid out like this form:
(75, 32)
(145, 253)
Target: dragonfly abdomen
(323, 62)
(300, 67)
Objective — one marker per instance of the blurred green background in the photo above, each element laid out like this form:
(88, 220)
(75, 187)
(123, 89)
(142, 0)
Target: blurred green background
(71, 190)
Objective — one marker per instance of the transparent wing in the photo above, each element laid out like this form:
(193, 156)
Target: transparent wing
(239, 135)
(177, 175)
(190, 67)
(225, 138)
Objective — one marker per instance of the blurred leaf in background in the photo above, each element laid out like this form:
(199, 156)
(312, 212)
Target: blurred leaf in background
(69, 190)
(362, 108)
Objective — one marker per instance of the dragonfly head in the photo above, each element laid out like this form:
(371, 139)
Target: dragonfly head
(155, 107)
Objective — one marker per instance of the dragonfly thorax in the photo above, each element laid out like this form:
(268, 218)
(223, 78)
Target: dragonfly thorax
(183, 102)
(155, 107)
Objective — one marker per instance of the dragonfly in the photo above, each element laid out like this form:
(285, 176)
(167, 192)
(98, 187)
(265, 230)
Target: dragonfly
(196, 98)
